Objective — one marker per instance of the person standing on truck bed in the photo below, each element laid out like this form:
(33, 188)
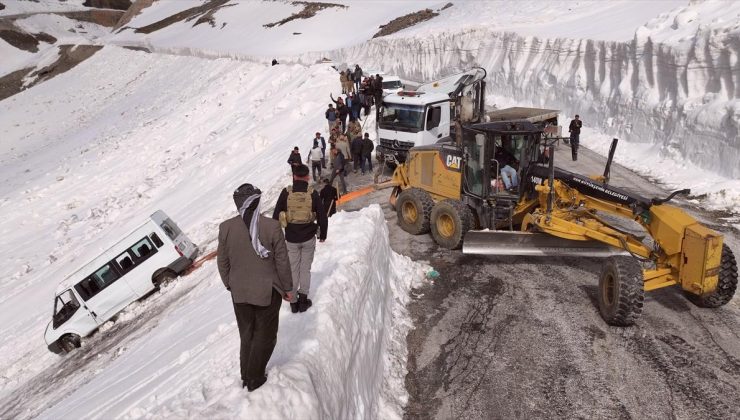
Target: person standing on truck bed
(301, 213)
(253, 263)
(575, 133)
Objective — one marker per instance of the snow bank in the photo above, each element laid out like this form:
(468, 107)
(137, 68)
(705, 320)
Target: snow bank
(344, 358)
(123, 134)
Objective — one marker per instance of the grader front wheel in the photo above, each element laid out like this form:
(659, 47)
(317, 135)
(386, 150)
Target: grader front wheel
(451, 219)
(726, 285)
(413, 209)
(621, 291)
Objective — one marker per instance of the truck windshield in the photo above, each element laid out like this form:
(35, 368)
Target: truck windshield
(402, 117)
(393, 84)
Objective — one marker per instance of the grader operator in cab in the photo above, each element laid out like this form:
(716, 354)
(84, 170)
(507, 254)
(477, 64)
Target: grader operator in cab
(453, 189)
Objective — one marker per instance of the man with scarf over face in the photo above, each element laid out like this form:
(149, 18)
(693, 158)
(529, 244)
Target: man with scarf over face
(253, 263)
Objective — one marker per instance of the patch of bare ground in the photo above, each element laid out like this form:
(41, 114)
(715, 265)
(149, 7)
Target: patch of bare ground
(69, 57)
(23, 40)
(102, 17)
(185, 15)
(132, 11)
(108, 4)
(309, 10)
(408, 21)
(12, 83)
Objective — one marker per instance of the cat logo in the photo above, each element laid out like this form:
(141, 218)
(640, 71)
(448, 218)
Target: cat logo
(453, 162)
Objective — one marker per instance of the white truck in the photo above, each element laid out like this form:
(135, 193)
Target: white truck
(425, 116)
(152, 253)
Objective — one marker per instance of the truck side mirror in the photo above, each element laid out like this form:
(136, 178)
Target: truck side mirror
(433, 117)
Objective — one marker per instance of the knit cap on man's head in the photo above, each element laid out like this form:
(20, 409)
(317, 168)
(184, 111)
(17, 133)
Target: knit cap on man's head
(243, 192)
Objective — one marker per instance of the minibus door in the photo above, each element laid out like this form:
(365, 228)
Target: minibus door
(107, 294)
(73, 314)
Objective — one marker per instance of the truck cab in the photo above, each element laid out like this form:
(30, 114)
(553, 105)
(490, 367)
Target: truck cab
(409, 119)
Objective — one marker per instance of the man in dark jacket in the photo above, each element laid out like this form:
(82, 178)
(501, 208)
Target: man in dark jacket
(338, 162)
(331, 115)
(575, 134)
(329, 197)
(355, 105)
(253, 264)
(342, 110)
(378, 92)
(294, 160)
(357, 77)
(301, 212)
(367, 152)
(319, 138)
(356, 148)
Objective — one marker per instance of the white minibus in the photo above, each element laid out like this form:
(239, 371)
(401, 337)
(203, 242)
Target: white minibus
(149, 255)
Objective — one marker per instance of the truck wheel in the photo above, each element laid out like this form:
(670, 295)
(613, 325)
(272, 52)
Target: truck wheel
(451, 220)
(726, 285)
(413, 208)
(621, 291)
(163, 277)
(69, 342)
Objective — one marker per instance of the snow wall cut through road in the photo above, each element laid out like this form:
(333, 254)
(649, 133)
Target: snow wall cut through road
(685, 99)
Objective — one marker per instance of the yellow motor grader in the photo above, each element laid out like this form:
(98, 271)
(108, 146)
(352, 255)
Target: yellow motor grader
(453, 189)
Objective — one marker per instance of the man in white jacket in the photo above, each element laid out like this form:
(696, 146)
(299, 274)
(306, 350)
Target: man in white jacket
(315, 156)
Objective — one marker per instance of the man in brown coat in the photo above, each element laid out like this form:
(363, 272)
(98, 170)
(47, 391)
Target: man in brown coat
(256, 270)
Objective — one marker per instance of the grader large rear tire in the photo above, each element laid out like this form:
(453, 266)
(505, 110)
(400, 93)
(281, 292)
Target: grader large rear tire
(621, 291)
(726, 285)
(413, 208)
(451, 220)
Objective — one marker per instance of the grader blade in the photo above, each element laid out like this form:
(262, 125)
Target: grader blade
(489, 242)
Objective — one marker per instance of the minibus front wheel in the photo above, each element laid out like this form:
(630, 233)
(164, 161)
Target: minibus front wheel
(69, 342)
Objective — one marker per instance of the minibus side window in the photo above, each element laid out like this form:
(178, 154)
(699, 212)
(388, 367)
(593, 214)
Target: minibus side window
(155, 238)
(125, 263)
(65, 306)
(142, 250)
(105, 276)
(87, 288)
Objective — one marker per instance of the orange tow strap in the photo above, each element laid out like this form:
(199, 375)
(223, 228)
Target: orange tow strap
(355, 194)
(197, 263)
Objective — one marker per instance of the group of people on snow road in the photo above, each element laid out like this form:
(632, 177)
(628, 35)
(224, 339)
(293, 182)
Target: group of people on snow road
(363, 91)
(259, 264)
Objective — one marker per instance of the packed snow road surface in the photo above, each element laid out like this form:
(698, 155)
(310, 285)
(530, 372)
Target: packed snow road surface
(515, 337)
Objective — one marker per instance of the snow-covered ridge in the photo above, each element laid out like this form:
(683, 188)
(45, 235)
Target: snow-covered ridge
(684, 99)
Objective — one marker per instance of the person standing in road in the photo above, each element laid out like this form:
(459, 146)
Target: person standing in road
(329, 197)
(319, 138)
(315, 156)
(338, 163)
(301, 212)
(356, 149)
(253, 263)
(331, 115)
(342, 110)
(367, 152)
(575, 134)
(294, 160)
